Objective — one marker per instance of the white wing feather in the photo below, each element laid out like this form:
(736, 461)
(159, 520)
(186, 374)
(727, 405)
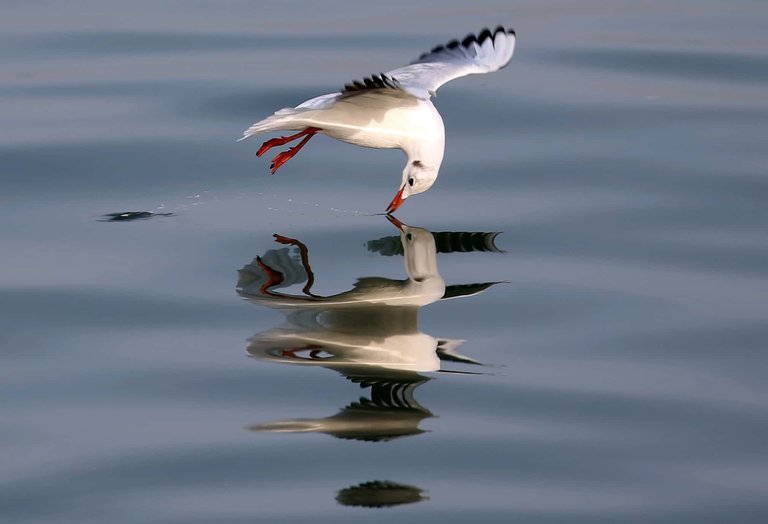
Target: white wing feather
(485, 53)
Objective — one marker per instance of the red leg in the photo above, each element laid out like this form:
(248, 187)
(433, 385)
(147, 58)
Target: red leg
(274, 142)
(285, 156)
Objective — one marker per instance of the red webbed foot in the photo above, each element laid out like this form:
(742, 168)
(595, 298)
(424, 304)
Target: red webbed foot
(283, 157)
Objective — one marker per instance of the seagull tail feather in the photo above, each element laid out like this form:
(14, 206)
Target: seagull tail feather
(280, 121)
(292, 118)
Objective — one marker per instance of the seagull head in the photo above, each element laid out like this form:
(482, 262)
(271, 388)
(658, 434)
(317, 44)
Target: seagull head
(418, 176)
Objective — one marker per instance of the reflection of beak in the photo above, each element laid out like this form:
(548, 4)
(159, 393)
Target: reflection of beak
(397, 201)
(395, 222)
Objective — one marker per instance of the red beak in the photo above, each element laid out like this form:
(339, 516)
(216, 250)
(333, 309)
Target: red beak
(395, 222)
(397, 201)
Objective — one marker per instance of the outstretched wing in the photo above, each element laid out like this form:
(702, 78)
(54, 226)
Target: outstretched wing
(486, 52)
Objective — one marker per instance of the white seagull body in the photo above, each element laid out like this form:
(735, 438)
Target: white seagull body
(393, 109)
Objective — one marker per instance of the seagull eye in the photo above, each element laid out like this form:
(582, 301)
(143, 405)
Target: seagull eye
(410, 181)
(409, 236)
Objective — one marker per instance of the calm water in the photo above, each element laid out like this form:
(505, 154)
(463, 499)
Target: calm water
(601, 359)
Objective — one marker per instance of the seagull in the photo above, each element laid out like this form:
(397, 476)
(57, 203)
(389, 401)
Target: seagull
(392, 110)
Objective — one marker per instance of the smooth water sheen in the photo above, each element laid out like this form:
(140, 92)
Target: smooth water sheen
(601, 359)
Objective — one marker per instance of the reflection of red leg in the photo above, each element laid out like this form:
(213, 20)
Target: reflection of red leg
(285, 156)
(269, 144)
(304, 254)
(292, 353)
(275, 277)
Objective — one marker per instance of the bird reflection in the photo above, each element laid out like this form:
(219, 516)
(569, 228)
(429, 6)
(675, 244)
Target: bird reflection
(369, 333)
(380, 494)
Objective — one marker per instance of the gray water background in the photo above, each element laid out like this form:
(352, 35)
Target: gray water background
(622, 155)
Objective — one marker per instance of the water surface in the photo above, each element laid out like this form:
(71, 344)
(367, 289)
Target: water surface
(575, 332)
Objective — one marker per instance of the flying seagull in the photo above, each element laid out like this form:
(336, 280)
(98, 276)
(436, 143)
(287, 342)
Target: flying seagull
(392, 109)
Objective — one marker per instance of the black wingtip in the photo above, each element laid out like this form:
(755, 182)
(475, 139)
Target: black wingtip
(484, 35)
(380, 81)
(468, 40)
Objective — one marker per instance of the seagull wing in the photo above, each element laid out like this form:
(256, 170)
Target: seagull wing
(485, 52)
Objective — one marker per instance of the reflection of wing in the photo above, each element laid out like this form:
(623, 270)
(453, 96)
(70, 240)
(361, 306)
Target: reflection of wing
(380, 494)
(390, 413)
(355, 422)
(466, 290)
(255, 275)
(445, 242)
(461, 242)
(386, 246)
(389, 390)
(448, 350)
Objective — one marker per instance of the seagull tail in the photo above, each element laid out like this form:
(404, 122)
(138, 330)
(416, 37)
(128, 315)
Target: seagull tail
(280, 121)
(292, 118)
